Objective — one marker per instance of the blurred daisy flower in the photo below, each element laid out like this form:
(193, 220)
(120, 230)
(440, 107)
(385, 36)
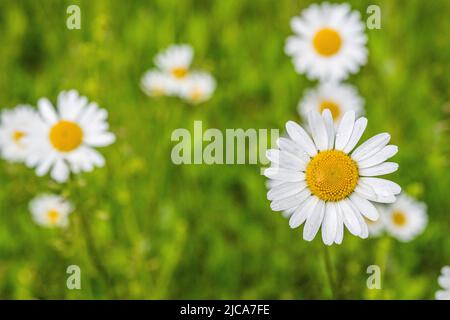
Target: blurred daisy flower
(156, 83)
(50, 210)
(338, 98)
(405, 219)
(65, 138)
(174, 77)
(326, 183)
(175, 61)
(199, 87)
(329, 42)
(15, 126)
(444, 282)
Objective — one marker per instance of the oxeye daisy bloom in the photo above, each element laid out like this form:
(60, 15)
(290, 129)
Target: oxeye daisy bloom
(198, 87)
(15, 126)
(329, 42)
(156, 83)
(326, 180)
(50, 210)
(444, 282)
(406, 218)
(65, 139)
(337, 97)
(175, 61)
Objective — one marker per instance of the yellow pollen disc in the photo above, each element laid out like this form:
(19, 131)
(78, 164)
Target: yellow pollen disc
(53, 216)
(399, 218)
(179, 72)
(17, 136)
(66, 136)
(333, 107)
(327, 42)
(332, 175)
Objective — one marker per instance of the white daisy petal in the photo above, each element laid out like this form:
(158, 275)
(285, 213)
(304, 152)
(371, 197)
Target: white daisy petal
(290, 202)
(364, 206)
(302, 212)
(379, 157)
(299, 135)
(371, 146)
(344, 130)
(339, 225)
(314, 221)
(318, 130)
(285, 190)
(46, 110)
(329, 124)
(358, 130)
(330, 221)
(379, 170)
(349, 217)
(60, 171)
(284, 174)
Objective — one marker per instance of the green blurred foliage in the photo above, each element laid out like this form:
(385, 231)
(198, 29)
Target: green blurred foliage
(145, 228)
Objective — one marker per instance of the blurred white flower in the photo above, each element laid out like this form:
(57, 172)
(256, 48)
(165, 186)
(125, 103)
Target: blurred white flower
(15, 126)
(329, 41)
(156, 83)
(65, 139)
(406, 218)
(198, 87)
(174, 77)
(175, 61)
(337, 97)
(50, 210)
(444, 282)
(324, 182)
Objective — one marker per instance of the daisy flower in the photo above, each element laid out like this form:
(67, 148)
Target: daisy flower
(50, 210)
(175, 61)
(15, 126)
(338, 98)
(406, 218)
(156, 83)
(65, 139)
(198, 87)
(444, 282)
(329, 42)
(326, 181)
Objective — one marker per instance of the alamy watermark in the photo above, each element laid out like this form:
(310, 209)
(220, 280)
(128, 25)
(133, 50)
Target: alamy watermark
(214, 146)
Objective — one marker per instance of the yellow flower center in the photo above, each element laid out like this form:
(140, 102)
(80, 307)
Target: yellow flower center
(179, 72)
(327, 42)
(332, 175)
(66, 136)
(53, 216)
(399, 218)
(17, 136)
(333, 107)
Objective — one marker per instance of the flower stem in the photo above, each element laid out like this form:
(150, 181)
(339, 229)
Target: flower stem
(330, 272)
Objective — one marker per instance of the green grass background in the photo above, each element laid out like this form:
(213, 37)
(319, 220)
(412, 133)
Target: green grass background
(145, 228)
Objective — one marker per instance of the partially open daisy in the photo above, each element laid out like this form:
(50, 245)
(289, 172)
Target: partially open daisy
(325, 182)
(156, 83)
(50, 210)
(64, 141)
(337, 97)
(175, 61)
(329, 42)
(15, 126)
(199, 87)
(406, 218)
(444, 282)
